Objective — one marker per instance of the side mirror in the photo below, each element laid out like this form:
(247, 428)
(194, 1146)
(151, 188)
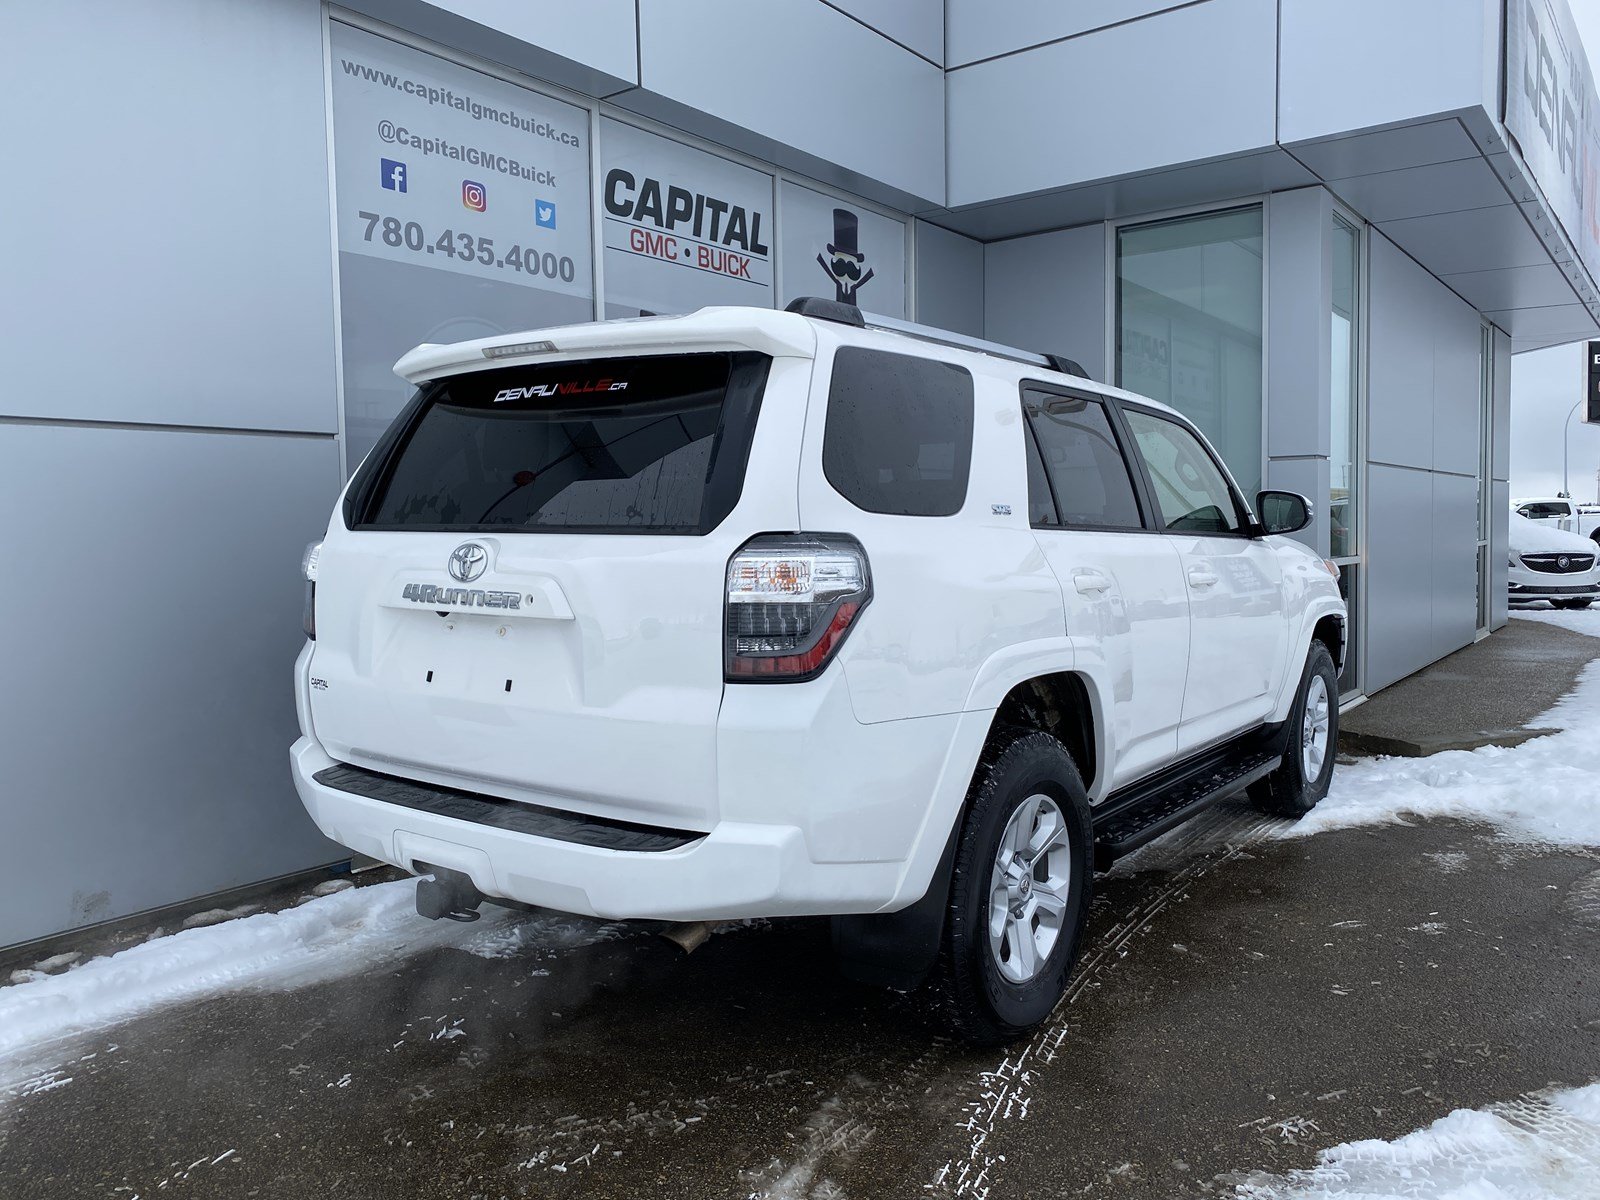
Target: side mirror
(1282, 512)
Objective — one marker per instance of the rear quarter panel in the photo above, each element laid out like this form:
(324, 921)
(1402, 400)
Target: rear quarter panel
(949, 593)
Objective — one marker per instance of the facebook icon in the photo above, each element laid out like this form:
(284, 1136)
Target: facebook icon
(394, 174)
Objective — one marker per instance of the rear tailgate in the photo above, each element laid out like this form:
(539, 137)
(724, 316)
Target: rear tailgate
(531, 602)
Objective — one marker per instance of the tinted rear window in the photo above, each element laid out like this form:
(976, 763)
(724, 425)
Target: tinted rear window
(654, 445)
(1081, 465)
(898, 437)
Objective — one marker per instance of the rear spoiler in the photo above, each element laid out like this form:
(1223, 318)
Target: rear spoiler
(777, 334)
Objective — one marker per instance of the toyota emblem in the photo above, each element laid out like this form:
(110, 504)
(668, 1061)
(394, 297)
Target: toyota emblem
(1563, 562)
(468, 561)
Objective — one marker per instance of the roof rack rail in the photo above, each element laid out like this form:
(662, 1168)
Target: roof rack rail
(849, 314)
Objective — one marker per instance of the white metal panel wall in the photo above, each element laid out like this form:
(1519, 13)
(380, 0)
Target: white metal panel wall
(176, 271)
(168, 208)
(1299, 350)
(1362, 63)
(804, 76)
(1423, 428)
(1454, 546)
(1400, 339)
(949, 280)
(1048, 293)
(1300, 297)
(149, 710)
(918, 25)
(599, 34)
(985, 28)
(1132, 97)
(1500, 489)
(1399, 617)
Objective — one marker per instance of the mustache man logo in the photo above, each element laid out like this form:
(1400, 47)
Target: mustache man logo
(845, 260)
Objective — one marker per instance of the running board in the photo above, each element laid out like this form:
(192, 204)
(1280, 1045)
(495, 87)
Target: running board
(1146, 810)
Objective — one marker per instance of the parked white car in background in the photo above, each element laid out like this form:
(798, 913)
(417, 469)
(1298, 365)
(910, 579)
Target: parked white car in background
(1551, 564)
(1561, 512)
(751, 613)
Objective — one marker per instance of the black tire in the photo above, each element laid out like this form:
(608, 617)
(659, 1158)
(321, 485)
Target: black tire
(1572, 603)
(978, 1003)
(1287, 792)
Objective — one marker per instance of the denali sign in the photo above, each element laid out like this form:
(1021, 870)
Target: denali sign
(1554, 115)
(570, 388)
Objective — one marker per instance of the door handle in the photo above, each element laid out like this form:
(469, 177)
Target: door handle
(1091, 581)
(1201, 578)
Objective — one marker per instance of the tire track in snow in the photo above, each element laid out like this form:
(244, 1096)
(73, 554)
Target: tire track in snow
(1006, 1092)
(842, 1126)
(839, 1129)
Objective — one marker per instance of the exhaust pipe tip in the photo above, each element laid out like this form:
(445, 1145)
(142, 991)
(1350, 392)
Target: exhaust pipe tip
(688, 936)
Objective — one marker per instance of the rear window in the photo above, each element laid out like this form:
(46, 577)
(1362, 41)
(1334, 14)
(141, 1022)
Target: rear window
(654, 444)
(898, 437)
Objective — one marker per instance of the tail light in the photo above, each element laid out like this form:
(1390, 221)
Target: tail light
(792, 599)
(308, 568)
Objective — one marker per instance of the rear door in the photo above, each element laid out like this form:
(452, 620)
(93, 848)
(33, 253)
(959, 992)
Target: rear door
(1238, 635)
(529, 599)
(1121, 582)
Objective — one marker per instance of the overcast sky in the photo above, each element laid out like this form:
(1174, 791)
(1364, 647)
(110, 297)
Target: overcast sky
(1545, 384)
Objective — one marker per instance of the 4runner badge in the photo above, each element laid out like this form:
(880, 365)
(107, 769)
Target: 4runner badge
(437, 597)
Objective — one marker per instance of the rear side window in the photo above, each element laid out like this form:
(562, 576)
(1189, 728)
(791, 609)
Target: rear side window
(1543, 510)
(898, 438)
(654, 444)
(1081, 464)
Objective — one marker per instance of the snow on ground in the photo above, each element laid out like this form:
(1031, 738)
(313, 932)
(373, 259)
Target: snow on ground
(328, 936)
(1541, 1147)
(1544, 791)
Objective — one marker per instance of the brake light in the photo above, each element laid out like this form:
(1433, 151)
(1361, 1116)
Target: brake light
(792, 599)
(308, 568)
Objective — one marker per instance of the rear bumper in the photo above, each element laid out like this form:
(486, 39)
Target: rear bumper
(736, 870)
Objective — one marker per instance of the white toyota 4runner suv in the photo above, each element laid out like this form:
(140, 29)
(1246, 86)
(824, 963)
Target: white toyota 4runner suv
(759, 614)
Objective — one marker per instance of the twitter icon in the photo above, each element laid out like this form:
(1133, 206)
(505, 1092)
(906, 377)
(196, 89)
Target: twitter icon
(544, 214)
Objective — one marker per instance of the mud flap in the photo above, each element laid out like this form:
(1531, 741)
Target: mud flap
(897, 950)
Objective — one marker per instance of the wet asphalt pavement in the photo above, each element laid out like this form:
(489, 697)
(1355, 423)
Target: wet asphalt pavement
(1242, 1001)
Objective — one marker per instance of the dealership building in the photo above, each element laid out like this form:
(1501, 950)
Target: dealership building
(1320, 230)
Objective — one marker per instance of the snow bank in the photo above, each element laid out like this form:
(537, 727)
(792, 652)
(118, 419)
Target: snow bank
(1544, 791)
(329, 936)
(1541, 1147)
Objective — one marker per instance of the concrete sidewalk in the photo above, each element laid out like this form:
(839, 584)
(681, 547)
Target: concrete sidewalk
(1485, 695)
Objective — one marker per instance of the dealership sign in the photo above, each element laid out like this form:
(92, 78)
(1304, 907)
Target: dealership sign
(682, 228)
(1553, 113)
(1591, 383)
(454, 170)
(842, 250)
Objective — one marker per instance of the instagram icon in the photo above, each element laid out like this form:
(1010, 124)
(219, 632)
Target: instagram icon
(473, 196)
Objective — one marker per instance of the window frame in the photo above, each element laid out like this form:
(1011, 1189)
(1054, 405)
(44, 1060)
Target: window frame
(1249, 527)
(1121, 435)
